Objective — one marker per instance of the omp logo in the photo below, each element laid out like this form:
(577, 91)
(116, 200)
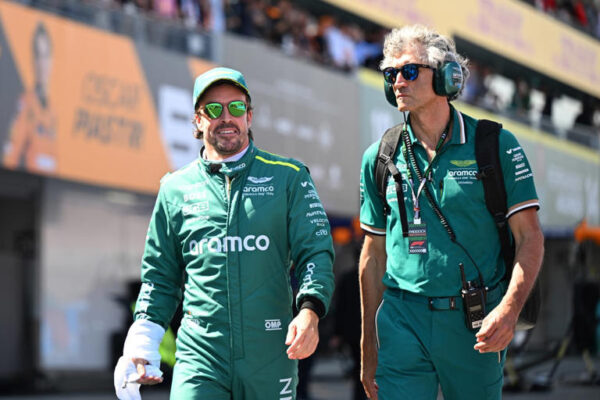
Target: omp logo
(462, 163)
(263, 179)
(230, 244)
(194, 196)
(194, 209)
(272, 325)
(510, 151)
(469, 172)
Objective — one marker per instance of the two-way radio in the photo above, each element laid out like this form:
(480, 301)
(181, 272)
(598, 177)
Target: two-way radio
(473, 296)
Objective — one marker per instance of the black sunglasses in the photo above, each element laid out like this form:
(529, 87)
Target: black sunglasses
(410, 72)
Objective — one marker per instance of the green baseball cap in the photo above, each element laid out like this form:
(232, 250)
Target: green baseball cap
(220, 74)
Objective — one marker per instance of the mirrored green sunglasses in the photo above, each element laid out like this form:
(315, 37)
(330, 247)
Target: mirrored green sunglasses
(236, 108)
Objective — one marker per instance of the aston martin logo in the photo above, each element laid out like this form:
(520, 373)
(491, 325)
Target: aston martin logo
(262, 179)
(462, 163)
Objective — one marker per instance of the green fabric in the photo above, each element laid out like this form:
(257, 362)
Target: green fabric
(206, 372)
(420, 348)
(235, 233)
(461, 199)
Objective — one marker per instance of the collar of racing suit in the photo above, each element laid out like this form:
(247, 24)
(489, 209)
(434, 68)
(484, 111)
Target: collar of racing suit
(231, 168)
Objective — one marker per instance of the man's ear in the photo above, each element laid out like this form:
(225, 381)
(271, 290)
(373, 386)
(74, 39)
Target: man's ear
(249, 115)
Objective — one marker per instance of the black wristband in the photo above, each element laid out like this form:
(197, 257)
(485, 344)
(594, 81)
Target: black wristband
(312, 303)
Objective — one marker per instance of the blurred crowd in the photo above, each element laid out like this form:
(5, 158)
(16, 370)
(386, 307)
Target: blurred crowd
(582, 14)
(534, 102)
(298, 32)
(323, 38)
(337, 41)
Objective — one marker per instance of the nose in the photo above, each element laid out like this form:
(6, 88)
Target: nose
(399, 83)
(400, 79)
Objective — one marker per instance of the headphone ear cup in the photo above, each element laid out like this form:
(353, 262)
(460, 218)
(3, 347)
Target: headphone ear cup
(448, 79)
(438, 82)
(390, 96)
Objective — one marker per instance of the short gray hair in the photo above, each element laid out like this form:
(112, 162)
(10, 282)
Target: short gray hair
(434, 49)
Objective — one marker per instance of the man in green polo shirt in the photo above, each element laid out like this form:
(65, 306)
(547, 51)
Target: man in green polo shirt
(227, 227)
(414, 334)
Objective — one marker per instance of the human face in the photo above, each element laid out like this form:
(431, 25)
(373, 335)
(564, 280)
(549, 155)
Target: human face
(225, 135)
(415, 95)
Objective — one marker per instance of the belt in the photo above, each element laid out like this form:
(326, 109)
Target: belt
(446, 302)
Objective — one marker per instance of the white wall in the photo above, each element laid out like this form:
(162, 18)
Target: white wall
(91, 244)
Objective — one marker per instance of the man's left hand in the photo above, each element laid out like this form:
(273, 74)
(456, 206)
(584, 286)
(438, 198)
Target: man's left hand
(497, 330)
(303, 334)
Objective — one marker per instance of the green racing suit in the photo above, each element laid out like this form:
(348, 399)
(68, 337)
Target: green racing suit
(229, 236)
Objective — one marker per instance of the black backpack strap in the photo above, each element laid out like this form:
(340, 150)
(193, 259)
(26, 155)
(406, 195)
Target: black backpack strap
(384, 166)
(490, 173)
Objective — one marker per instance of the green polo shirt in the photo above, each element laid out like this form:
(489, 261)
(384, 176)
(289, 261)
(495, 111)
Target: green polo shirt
(460, 197)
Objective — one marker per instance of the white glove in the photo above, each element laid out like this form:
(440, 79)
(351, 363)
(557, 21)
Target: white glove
(143, 340)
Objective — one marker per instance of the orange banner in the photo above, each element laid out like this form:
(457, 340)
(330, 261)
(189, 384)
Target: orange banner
(87, 112)
(509, 28)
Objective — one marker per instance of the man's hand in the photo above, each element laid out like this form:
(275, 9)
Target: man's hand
(140, 366)
(497, 330)
(130, 373)
(368, 365)
(303, 335)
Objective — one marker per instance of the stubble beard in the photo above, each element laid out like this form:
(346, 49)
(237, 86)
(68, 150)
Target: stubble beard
(226, 146)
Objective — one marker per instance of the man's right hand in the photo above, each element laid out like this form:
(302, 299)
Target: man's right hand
(368, 366)
(140, 366)
(130, 373)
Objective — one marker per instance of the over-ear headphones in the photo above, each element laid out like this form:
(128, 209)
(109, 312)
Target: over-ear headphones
(390, 96)
(447, 81)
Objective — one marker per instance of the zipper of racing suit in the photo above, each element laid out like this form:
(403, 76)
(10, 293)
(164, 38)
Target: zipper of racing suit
(228, 192)
(233, 275)
(231, 334)
(233, 289)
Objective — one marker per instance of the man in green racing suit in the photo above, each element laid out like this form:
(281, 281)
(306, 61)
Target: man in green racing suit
(228, 227)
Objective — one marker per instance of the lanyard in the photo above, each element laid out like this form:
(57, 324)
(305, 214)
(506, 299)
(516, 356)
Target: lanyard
(406, 148)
